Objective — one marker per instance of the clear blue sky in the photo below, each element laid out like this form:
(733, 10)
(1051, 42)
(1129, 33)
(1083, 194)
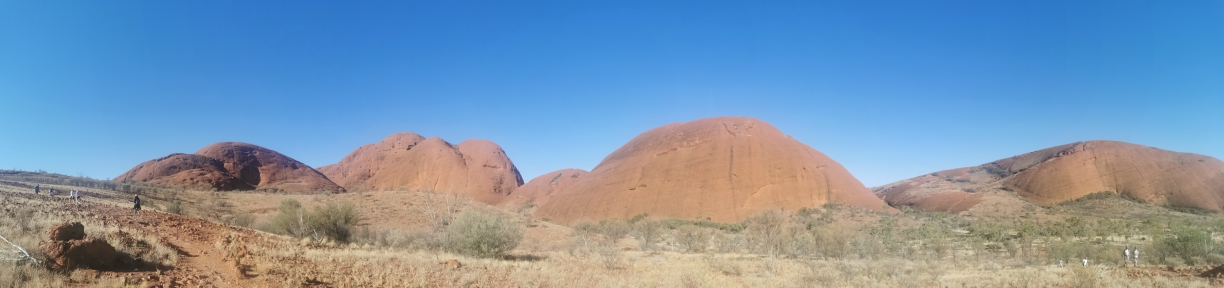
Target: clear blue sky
(890, 90)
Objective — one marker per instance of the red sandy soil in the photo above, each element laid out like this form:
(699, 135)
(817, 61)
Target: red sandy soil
(228, 166)
(1068, 172)
(477, 169)
(723, 169)
(200, 263)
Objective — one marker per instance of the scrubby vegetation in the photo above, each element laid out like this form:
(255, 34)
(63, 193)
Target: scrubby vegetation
(483, 234)
(331, 221)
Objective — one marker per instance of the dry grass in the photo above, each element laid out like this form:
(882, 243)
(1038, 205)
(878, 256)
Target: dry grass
(857, 251)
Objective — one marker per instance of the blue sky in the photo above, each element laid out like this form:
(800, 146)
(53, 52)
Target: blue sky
(890, 90)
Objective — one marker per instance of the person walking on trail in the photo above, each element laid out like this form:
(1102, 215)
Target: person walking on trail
(1136, 258)
(1125, 255)
(136, 209)
(1060, 263)
(36, 189)
(1085, 261)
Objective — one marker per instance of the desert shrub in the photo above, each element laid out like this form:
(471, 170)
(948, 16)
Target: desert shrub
(614, 229)
(482, 234)
(728, 242)
(607, 254)
(1183, 241)
(647, 231)
(692, 238)
(334, 221)
(175, 206)
(289, 220)
(724, 266)
(765, 231)
(243, 219)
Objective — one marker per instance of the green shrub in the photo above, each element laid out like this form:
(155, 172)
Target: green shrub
(334, 221)
(482, 234)
(289, 220)
(1185, 242)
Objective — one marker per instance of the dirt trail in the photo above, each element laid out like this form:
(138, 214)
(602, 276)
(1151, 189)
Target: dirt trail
(201, 263)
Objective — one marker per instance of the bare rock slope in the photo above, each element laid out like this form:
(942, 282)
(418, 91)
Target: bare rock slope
(478, 169)
(1068, 172)
(229, 166)
(539, 191)
(724, 169)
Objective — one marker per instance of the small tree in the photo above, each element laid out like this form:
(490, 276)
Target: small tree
(482, 234)
(647, 232)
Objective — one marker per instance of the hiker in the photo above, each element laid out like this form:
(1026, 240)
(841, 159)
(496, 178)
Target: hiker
(1136, 261)
(136, 209)
(1060, 263)
(1125, 255)
(36, 189)
(1085, 261)
(52, 192)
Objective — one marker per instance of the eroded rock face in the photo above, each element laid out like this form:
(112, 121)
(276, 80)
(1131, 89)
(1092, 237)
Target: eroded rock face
(476, 169)
(77, 251)
(1068, 172)
(228, 166)
(724, 169)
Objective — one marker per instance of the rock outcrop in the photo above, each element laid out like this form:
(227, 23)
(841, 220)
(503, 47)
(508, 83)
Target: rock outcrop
(476, 169)
(229, 166)
(724, 169)
(539, 191)
(1068, 172)
(68, 249)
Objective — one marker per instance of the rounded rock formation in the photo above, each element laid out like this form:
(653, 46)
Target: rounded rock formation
(1068, 172)
(723, 169)
(538, 191)
(228, 166)
(477, 169)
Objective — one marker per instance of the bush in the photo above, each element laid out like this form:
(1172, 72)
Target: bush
(647, 232)
(482, 234)
(692, 238)
(243, 219)
(614, 229)
(1185, 242)
(334, 221)
(765, 231)
(289, 220)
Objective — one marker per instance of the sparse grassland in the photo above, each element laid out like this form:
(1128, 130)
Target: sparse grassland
(395, 240)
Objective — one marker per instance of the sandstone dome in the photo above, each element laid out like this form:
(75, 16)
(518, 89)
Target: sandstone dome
(229, 166)
(1068, 172)
(477, 169)
(539, 191)
(723, 169)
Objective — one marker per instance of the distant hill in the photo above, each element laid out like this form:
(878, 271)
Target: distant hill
(228, 166)
(478, 169)
(539, 191)
(1068, 172)
(724, 169)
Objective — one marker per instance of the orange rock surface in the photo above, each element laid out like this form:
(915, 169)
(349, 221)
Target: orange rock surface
(228, 166)
(539, 191)
(724, 169)
(1068, 172)
(478, 169)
